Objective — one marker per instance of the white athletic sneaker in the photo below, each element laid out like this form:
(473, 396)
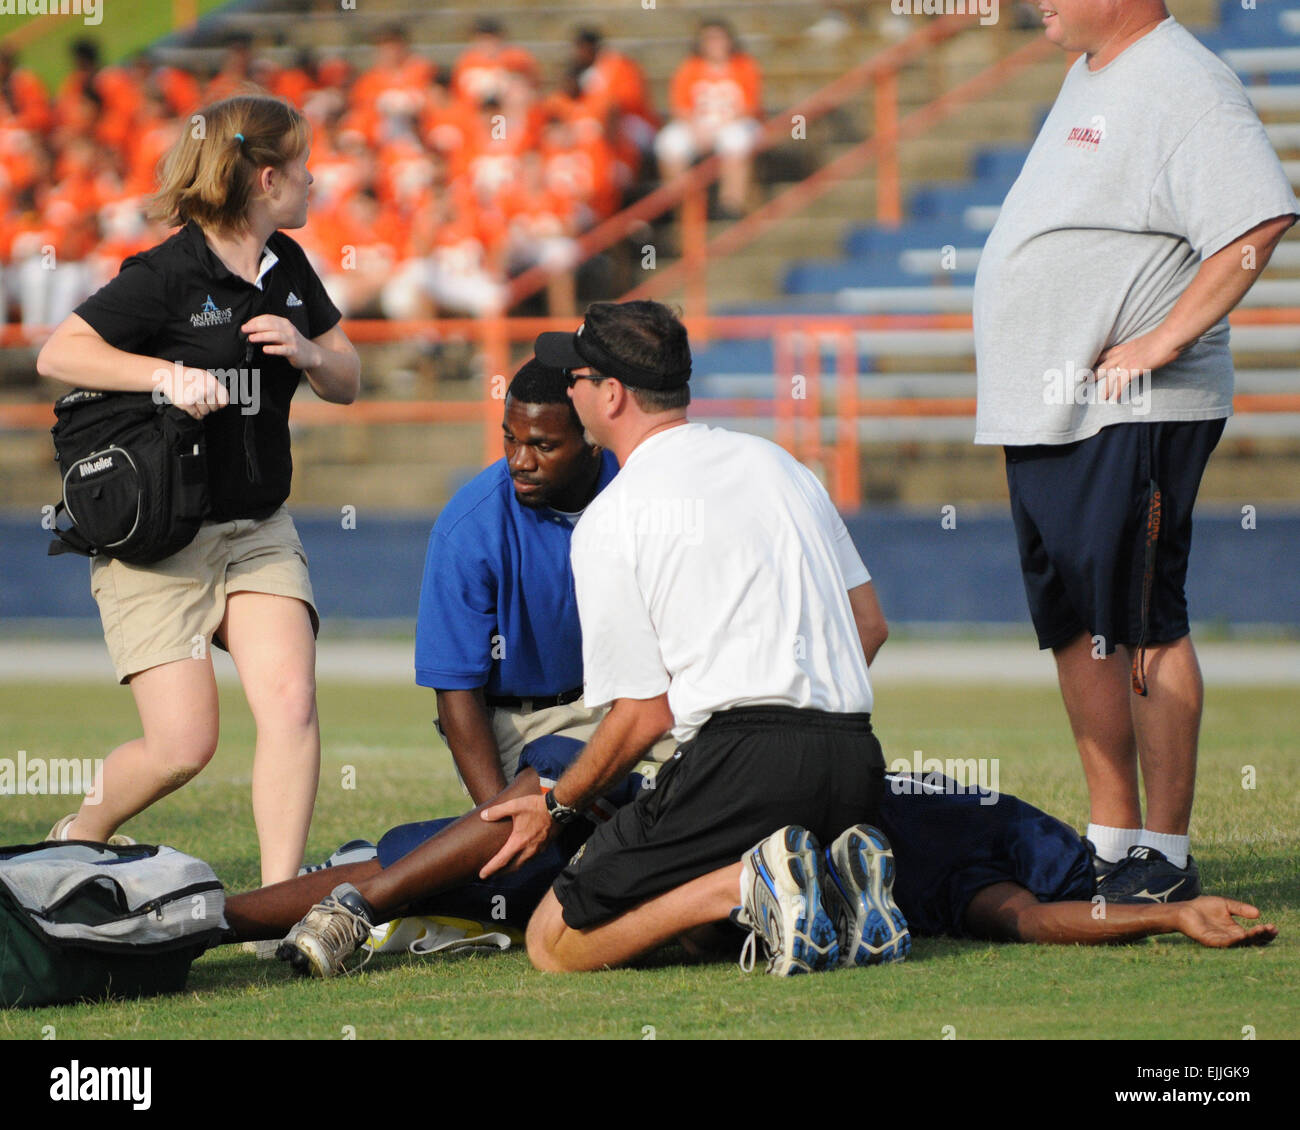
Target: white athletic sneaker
(859, 896)
(332, 931)
(781, 893)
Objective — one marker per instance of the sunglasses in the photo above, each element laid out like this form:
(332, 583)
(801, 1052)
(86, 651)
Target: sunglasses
(574, 378)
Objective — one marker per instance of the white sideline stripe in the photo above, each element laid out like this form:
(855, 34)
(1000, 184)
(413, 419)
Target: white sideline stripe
(902, 662)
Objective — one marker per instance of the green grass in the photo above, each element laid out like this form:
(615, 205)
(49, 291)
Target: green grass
(1247, 843)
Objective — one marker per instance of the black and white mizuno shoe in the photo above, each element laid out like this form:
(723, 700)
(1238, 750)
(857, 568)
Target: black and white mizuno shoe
(1146, 875)
(1101, 868)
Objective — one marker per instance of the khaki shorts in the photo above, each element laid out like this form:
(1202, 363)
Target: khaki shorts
(154, 614)
(514, 728)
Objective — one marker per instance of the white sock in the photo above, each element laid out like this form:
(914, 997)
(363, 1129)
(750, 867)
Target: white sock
(1112, 844)
(1175, 848)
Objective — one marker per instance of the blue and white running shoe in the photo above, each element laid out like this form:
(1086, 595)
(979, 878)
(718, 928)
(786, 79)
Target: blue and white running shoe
(354, 851)
(781, 902)
(859, 896)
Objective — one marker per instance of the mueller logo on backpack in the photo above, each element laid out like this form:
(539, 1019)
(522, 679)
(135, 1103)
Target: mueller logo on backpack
(75, 1083)
(103, 463)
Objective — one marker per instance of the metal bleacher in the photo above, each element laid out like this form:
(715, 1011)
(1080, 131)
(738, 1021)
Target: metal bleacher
(927, 265)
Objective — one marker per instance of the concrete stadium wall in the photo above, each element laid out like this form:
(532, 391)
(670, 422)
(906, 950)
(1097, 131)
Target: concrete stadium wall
(924, 572)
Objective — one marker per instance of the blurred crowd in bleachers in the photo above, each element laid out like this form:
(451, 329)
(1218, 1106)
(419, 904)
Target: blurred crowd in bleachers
(433, 186)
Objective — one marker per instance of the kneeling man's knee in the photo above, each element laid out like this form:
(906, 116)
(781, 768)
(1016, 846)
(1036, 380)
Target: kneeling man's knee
(544, 930)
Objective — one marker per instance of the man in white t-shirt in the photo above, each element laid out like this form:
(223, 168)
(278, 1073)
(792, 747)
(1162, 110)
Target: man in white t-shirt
(720, 596)
(1147, 207)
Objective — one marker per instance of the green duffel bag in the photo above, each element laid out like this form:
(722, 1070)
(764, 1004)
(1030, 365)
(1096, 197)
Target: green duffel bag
(86, 921)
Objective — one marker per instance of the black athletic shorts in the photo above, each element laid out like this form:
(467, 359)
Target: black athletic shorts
(1083, 513)
(748, 772)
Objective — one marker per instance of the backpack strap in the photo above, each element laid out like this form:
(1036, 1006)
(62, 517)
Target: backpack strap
(70, 540)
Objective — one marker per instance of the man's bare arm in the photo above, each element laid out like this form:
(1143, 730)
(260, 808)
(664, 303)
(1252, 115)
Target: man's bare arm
(872, 629)
(464, 720)
(624, 735)
(1007, 912)
(1221, 283)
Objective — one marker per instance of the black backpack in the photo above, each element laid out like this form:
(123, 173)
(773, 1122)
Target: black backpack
(135, 478)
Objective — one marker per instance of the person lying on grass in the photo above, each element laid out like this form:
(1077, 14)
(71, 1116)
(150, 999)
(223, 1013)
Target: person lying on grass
(1003, 871)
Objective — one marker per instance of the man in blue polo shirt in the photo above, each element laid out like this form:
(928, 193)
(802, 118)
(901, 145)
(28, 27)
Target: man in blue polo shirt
(497, 635)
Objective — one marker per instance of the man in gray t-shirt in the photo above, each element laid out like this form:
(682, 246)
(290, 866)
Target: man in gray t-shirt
(1145, 210)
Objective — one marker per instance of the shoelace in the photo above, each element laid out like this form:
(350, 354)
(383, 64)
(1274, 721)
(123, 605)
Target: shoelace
(342, 928)
(749, 952)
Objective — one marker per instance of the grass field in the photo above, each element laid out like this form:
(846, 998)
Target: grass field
(1247, 842)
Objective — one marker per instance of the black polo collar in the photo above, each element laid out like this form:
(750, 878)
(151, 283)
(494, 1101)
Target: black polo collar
(211, 262)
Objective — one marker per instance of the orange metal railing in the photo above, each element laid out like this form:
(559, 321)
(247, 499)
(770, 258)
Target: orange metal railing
(814, 409)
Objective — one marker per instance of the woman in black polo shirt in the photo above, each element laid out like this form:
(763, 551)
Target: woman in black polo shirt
(228, 292)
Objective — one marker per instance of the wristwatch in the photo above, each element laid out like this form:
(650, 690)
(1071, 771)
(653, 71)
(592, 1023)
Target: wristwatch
(560, 813)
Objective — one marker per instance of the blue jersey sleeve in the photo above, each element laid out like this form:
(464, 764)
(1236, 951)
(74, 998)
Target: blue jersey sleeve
(457, 621)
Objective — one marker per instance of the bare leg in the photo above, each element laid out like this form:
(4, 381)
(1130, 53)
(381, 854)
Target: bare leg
(271, 912)
(452, 857)
(271, 642)
(1096, 694)
(178, 711)
(1168, 722)
(555, 948)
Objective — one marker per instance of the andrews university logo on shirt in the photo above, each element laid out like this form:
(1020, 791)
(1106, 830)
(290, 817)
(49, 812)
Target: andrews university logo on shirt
(211, 316)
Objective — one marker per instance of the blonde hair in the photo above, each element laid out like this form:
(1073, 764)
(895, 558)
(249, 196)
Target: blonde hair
(208, 175)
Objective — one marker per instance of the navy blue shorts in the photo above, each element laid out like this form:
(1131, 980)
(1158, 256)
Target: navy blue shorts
(950, 845)
(1083, 512)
